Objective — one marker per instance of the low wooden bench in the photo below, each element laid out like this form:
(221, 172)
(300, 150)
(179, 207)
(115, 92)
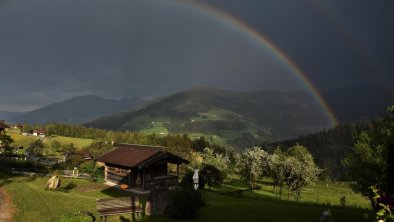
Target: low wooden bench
(114, 206)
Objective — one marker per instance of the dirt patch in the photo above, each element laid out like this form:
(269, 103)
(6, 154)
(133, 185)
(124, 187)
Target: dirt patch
(7, 208)
(93, 187)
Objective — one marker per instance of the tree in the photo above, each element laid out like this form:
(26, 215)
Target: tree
(56, 145)
(5, 142)
(69, 148)
(370, 159)
(299, 169)
(211, 176)
(276, 167)
(97, 149)
(220, 161)
(250, 164)
(390, 153)
(36, 148)
(366, 165)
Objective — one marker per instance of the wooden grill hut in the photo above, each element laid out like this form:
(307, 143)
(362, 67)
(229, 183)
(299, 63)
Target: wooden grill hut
(140, 166)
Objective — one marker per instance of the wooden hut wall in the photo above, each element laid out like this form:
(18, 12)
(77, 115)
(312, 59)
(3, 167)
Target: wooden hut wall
(117, 175)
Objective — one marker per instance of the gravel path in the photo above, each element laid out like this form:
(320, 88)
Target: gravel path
(6, 208)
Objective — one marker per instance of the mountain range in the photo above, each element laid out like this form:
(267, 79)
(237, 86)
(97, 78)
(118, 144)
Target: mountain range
(77, 110)
(8, 116)
(248, 118)
(222, 116)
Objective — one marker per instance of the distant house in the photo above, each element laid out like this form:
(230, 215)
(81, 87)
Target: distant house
(3, 126)
(139, 166)
(39, 132)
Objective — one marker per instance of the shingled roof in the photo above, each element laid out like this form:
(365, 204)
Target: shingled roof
(138, 156)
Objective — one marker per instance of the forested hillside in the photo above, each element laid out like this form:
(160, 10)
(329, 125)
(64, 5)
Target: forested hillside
(331, 146)
(240, 119)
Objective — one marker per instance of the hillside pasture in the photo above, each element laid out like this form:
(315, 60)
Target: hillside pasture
(24, 141)
(36, 204)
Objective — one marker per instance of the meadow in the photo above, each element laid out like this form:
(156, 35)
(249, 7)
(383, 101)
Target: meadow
(24, 141)
(34, 203)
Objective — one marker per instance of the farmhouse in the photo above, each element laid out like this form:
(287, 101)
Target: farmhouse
(39, 132)
(3, 126)
(139, 166)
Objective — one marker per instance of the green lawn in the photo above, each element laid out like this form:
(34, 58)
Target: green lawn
(21, 140)
(321, 192)
(78, 142)
(36, 204)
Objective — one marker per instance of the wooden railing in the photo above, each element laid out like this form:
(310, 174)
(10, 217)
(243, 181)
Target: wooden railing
(167, 180)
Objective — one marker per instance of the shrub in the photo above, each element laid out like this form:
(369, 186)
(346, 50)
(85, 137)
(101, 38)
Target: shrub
(73, 161)
(211, 176)
(342, 201)
(185, 202)
(88, 167)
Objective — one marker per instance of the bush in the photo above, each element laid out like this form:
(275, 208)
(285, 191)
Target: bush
(88, 167)
(211, 176)
(73, 161)
(342, 201)
(185, 201)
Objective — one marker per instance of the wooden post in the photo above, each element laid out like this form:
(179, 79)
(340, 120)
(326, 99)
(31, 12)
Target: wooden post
(143, 179)
(105, 173)
(129, 178)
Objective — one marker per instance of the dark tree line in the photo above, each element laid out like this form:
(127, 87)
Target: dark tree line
(331, 146)
(175, 141)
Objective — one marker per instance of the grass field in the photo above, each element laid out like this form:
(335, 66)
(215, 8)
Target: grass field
(21, 140)
(36, 204)
(320, 193)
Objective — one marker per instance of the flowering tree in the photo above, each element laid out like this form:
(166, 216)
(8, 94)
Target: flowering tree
(299, 169)
(250, 164)
(276, 168)
(220, 161)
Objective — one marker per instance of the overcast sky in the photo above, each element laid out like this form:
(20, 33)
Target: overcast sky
(51, 50)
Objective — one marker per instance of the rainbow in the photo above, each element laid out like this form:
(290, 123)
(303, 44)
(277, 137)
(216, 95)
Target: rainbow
(266, 44)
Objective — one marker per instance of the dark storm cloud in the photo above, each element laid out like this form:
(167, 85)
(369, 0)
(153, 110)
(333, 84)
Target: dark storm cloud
(51, 50)
(337, 43)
